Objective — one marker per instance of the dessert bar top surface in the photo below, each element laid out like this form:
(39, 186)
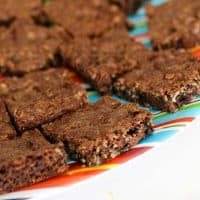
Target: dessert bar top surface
(30, 47)
(175, 24)
(41, 97)
(12, 9)
(89, 19)
(25, 32)
(32, 142)
(170, 71)
(42, 79)
(96, 121)
(28, 160)
(101, 60)
(100, 131)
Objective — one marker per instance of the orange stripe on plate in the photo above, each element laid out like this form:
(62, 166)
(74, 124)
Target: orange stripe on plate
(188, 119)
(64, 180)
(196, 48)
(196, 51)
(90, 169)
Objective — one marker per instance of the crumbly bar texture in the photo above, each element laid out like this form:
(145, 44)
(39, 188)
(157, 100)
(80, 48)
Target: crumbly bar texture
(16, 61)
(41, 97)
(30, 47)
(6, 37)
(129, 6)
(102, 60)
(89, 19)
(100, 131)
(28, 160)
(7, 131)
(175, 24)
(27, 32)
(11, 10)
(166, 81)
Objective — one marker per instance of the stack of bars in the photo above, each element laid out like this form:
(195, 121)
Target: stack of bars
(45, 116)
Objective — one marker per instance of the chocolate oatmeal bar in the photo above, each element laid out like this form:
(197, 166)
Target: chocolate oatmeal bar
(30, 47)
(28, 160)
(100, 131)
(6, 129)
(14, 61)
(26, 32)
(166, 81)
(41, 97)
(14, 9)
(55, 77)
(102, 60)
(129, 6)
(175, 24)
(89, 19)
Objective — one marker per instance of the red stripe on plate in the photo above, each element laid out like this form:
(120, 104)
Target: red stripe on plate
(187, 119)
(141, 36)
(196, 53)
(64, 180)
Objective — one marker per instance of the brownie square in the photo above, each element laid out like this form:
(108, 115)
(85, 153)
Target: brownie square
(16, 61)
(100, 131)
(27, 32)
(6, 129)
(166, 81)
(12, 9)
(30, 47)
(175, 24)
(89, 19)
(102, 60)
(28, 160)
(41, 97)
